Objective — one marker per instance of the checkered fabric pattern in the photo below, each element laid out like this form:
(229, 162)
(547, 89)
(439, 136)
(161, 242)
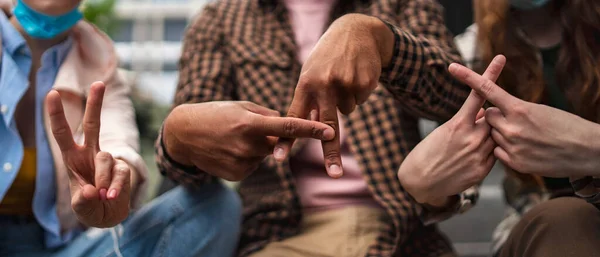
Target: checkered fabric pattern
(244, 50)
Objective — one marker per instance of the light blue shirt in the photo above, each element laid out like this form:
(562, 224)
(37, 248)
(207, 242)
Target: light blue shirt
(14, 82)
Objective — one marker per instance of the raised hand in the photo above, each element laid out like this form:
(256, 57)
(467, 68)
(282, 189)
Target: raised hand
(456, 155)
(534, 138)
(230, 139)
(100, 185)
(340, 73)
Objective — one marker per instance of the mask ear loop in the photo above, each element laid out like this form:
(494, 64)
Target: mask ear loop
(115, 237)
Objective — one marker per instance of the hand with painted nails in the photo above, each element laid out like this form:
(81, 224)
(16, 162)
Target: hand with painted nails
(534, 138)
(455, 156)
(340, 73)
(230, 139)
(100, 184)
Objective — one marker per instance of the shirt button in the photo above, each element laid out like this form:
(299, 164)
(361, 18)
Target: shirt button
(4, 109)
(7, 167)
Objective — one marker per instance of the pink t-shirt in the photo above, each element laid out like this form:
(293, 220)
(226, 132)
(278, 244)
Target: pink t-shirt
(317, 190)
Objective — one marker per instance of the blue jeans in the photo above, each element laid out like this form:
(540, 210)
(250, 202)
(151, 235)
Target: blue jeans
(182, 222)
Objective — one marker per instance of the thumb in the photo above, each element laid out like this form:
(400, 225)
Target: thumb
(475, 101)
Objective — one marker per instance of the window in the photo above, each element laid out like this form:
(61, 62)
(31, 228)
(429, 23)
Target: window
(124, 31)
(174, 29)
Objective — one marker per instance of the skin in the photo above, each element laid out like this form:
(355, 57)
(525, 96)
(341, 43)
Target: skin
(230, 139)
(456, 155)
(340, 73)
(534, 138)
(100, 184)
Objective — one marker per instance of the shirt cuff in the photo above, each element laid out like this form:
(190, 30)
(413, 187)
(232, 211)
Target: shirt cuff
(406, 56)
(588, 188)
(186, 175)
(460, 204)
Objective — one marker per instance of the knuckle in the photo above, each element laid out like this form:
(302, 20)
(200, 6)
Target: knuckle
(487, 87)
(290, 128)
(91, 124)
(456, 124)
(347, 80)
(520, 109)
(306, 81)
(332, 155)
(244, 124)
(512, 133)
(242, 151)
(123, 170)
(60, 130)
(366, 82)
(104, 156)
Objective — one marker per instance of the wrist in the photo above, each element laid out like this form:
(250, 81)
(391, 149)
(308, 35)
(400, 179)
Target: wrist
(373, 28)
(385, 39)
(441, 203)
(173, 147)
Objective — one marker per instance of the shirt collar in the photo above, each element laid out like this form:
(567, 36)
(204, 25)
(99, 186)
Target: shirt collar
(13, 41)
(11, 38)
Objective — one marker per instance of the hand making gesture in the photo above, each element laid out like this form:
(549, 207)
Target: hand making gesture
(100, 184)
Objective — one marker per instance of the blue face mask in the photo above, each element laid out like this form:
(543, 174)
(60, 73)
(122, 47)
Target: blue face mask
(528, 4)
(42, 26)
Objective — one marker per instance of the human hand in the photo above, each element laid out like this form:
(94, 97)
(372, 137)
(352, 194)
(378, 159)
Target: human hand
(230, 139)
(340, 73)
(456, 155)
(100, 184)
(534, 138)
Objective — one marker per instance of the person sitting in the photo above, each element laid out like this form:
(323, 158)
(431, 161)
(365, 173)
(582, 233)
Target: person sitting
(69, 167)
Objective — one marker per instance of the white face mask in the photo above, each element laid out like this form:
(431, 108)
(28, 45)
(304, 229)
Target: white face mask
(528, 4)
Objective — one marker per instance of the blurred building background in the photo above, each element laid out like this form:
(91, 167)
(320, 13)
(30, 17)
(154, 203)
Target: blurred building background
(148, 40)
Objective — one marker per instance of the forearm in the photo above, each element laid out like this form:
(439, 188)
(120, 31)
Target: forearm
(594, 146)
(187, 175)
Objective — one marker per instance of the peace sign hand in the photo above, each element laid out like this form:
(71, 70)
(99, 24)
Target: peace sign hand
(100, 184)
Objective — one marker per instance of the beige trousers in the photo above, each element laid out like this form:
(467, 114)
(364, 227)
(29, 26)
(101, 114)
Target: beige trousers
(346, 232)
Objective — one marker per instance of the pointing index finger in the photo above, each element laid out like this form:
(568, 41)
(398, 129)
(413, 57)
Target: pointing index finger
(484, 86)
(475, 101)
(288, 127)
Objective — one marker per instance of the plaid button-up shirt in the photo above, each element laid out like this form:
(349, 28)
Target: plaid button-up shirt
(244, 50)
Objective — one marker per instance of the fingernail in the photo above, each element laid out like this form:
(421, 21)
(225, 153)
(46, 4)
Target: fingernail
(313, 115)
(279, 153)
(102, 193)
(112, 194)
(335, 171)
(452, 67)
(328, 134)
